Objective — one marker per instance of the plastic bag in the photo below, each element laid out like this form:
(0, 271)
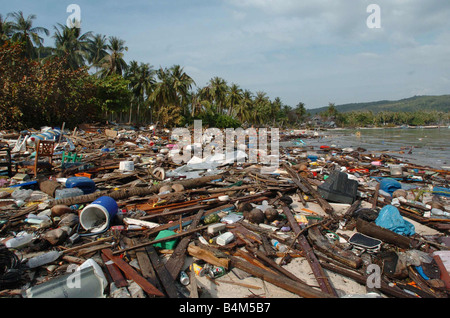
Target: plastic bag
(22, 195)
(390, 218)
(389, 185)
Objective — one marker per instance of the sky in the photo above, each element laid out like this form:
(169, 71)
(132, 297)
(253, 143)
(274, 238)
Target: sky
(311, 51)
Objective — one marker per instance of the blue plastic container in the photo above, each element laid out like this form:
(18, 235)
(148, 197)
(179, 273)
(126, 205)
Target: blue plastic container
(85, 184)
(97, 217)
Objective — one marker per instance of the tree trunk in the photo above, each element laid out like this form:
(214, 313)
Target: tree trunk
(131, 192)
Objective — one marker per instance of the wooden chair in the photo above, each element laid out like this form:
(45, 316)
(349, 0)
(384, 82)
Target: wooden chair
(44, 149)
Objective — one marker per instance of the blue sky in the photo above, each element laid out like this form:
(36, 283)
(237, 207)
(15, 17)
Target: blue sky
(310, 51)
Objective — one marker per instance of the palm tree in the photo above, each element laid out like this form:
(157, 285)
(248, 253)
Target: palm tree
(97, 50)
(217, 92)
(262, 107)
(181, 84)
(5, 29)
(276, 106)
(243, 109)
(113, 62)
(70, 43)
(196, 103)
(171, 94)
(162, 94)
(142, 80)
(23, 32)
(234, 97)
(300, 111)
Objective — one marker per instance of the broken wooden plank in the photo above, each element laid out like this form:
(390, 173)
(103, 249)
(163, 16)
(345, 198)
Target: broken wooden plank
(132, 274)
(93, 243)
(114, 272)
(319, 274)
(166, 279)
(279, 280)
(208, 256)
(384, 287)
(176, 260)
(146, 267)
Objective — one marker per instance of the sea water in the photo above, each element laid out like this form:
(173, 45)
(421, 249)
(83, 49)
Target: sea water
(421, 146)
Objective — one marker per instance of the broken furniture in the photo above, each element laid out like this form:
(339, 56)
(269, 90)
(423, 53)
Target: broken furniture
(71, 157)
(44, 149)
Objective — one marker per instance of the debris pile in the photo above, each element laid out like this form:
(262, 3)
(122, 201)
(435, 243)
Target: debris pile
(112, 215)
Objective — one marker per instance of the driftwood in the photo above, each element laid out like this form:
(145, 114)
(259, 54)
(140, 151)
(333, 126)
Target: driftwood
(127, 193)
(375, 231)
(279, 280)
(132, 274)
(319, 274)
(384, 288)
(323, 245)
(210, 255)
(176, 260)
(306, 187)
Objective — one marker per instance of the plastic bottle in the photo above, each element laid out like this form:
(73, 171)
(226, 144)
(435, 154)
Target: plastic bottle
(43, 259)
(280, 247)
(21, 240)
(439, 212)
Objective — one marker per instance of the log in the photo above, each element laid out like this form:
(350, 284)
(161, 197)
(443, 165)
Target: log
(49, 187)
(375, 231)
(130, 192)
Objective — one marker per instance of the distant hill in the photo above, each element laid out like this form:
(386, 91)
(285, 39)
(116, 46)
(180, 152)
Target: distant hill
(416, 103)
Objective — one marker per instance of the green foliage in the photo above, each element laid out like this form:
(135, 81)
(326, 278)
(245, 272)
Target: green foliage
(368, 118)
(221, 121)
(112, 92)
(413, 104)
(225, 121)
(35, 94)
